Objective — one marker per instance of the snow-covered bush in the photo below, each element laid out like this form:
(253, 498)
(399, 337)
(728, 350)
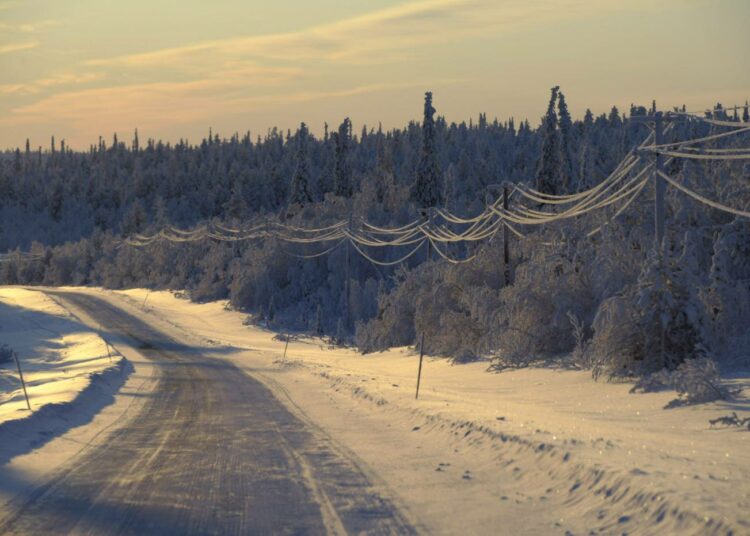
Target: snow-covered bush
(550, 282)
(696, 381)
(394, 323)
(580, 357)
(728, 293)
(617, 346)
(654, 323)
(6, 354)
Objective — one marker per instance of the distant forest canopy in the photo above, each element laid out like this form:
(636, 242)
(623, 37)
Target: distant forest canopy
(72, 208)
(54, 195)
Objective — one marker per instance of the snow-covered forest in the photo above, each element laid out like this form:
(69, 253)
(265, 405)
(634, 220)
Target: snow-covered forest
(608, 300)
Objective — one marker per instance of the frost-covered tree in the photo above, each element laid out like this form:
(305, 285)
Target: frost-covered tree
(568, 175)
(236, 207)
(549, 163)
(342, 172)
(300, 193)
(426, 191)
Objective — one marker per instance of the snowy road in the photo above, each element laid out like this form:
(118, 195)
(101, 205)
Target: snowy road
(212, 452)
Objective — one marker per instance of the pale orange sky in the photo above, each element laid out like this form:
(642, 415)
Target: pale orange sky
(172, 69)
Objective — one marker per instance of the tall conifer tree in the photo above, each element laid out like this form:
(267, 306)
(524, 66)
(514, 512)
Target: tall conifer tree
(300, 191)
(426, 191)
(548, 167)
(342, 172)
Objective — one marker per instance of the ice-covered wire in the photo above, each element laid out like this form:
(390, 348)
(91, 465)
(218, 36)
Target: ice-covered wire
(405, 240)
(693, 141)
(452, 218)
(707, 156)
(714, 150)
(711, 121)
(331, 235)
(449, 259)
(396, 230)
(713, 110)
(541, 197)
(292, 228)
(513, 230)
(704, 200)
(623, 208)
(314, 255)
(389, 263)
(583, 207)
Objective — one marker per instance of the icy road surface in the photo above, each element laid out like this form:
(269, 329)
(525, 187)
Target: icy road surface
(211, 452)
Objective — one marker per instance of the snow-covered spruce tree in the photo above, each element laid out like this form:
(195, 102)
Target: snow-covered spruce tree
(426, 191)
(728, 293)
(342, 171)
(300, 193)
(236, 207)
(549, 163)
(569, 179)
(656, 323)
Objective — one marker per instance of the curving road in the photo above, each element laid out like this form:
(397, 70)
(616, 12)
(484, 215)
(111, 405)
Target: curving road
(211, 452)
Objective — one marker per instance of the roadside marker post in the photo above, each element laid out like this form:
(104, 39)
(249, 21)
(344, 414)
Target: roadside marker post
(286, 345)
(23, 383)
(419, 372)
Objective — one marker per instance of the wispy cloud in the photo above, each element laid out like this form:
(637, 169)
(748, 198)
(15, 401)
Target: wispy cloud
(154, 103)
(18, 47)
(353, 39)
(30, 27)
(42, 84)
(200, 81)
(36, 27)
(7, 4)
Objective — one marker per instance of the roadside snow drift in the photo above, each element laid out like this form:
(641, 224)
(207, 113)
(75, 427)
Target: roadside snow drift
(60, 357)
(524, 451)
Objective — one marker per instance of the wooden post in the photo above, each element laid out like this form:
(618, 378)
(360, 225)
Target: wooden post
(506, 234)
(427, 217)
(148, 291)
(659, 185)
(419, 372)
(286, 345)
(659, 209)
(23, 383)
(347, 318)
(109, 353)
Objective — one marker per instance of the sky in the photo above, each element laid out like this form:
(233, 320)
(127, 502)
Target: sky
(81, 69)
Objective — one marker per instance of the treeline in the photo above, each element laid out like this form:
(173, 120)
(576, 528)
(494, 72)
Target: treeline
(73, 208)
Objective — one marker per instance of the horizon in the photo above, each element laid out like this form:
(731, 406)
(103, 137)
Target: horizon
(89, 70)
(316, 132)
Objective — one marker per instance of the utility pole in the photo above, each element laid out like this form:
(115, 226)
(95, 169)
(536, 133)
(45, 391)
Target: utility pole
(348, 270)
(506, 235)
(659, 205)
(491, 199)
(427, 215)
(659, 185)
(659, 209)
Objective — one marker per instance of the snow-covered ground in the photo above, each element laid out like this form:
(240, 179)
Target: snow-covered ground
(531, 451)
(520, 451)
(59, 355)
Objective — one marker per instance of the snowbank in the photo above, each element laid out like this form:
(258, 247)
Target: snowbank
(60, 357)
(521, 451)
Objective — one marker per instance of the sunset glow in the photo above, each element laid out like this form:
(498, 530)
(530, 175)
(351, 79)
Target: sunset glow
(84, 69)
